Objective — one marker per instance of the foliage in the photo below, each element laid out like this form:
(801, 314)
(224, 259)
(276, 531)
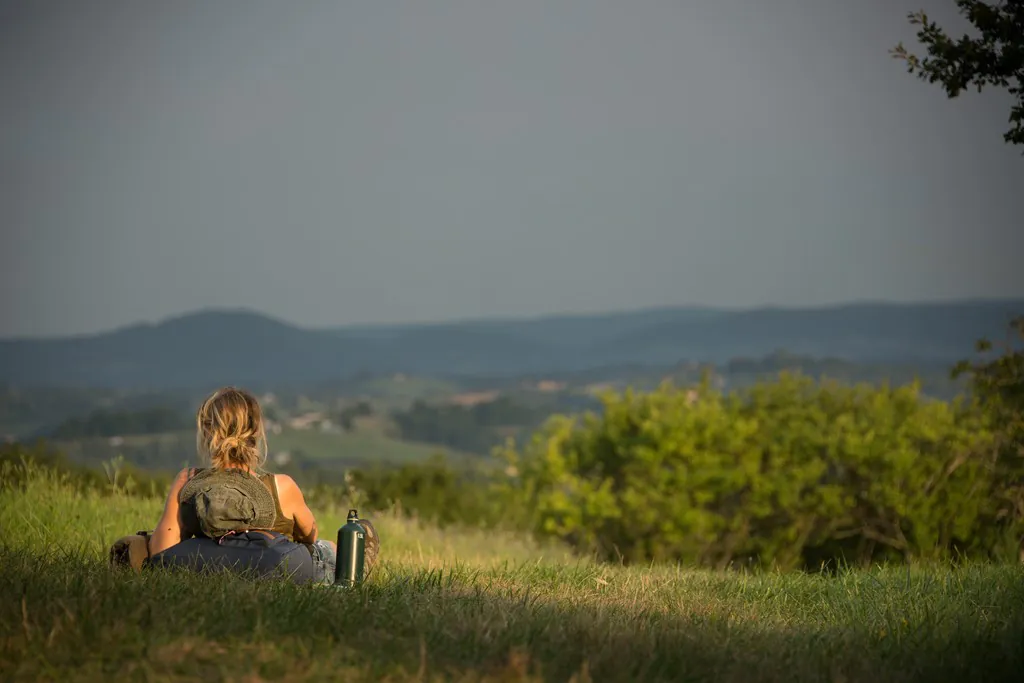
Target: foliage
(933, 376)
(473, 429)
(436, 490)
(992, 58)
(787, 473)
(433, 491)
(30, 412)
(105, 423)
(151, 452)
(998, 382)
(348, 416)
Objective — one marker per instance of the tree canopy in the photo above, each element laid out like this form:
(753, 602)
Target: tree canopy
(992, 58)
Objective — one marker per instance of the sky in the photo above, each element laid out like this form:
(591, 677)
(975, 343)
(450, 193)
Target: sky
(331, 163)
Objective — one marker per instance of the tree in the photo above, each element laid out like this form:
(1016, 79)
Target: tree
(993, 58)
(998, 382)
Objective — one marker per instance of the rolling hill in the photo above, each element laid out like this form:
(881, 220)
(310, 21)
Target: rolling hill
(242, 347)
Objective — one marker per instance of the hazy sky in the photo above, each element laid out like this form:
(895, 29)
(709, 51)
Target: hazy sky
(338, 162)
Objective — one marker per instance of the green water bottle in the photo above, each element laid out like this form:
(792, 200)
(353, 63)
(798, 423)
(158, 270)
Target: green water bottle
(348, 571)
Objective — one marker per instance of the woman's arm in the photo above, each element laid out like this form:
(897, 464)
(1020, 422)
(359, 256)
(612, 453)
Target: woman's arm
(293, 504)
(168, 529)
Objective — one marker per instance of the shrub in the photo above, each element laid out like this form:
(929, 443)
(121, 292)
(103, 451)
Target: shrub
(786, 473)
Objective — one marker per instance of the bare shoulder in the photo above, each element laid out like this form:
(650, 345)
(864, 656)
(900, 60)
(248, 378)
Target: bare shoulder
(286, 487)
(292, 503)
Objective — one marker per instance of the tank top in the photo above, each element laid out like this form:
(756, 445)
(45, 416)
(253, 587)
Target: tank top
(283, 524)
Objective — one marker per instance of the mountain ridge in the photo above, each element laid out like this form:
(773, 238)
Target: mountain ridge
(246, 311)
(242, 346)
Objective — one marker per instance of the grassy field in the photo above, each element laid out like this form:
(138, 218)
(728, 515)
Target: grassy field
(398, 392)
(173, 450)
(474, 606)
(362, 447)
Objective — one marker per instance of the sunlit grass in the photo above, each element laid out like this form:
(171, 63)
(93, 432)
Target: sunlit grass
(363, 447)
(474, 605)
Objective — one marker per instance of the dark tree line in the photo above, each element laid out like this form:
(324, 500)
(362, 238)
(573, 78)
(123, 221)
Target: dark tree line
(102, 423)
(472, 429)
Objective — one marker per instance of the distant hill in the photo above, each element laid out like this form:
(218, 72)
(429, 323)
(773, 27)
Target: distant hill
(219, 347)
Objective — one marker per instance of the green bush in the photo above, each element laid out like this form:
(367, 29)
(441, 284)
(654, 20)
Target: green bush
(997, 380)
(472, 429)
(105, 423)
(787, 473)
(432, 491)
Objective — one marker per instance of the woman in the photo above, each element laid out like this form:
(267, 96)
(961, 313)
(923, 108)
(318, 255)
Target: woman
(233, 494)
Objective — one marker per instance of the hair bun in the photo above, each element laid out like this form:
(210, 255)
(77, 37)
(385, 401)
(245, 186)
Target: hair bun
(229, 429)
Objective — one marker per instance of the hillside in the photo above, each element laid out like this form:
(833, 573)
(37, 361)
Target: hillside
(219, 347)
(476, 605)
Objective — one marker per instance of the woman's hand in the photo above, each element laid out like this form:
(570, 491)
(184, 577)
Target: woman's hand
(168, 529)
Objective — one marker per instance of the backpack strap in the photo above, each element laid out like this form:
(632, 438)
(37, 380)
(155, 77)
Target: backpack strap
(271, 535)
(274, 490)
(191, 472)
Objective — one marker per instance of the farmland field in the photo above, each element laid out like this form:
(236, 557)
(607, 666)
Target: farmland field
(361, 447)
(474, 606)
(172, 450)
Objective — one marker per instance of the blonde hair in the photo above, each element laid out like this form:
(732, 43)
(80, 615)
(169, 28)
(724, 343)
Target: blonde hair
(229, 430)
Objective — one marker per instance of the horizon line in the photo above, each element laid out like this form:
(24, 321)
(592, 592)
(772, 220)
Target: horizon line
(526, 318)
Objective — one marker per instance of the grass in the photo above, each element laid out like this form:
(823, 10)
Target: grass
(476, 606)
(364, 447)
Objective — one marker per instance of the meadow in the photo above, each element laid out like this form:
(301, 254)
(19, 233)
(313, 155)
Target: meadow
(169, 450)
(473, 605)
(359, 447)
